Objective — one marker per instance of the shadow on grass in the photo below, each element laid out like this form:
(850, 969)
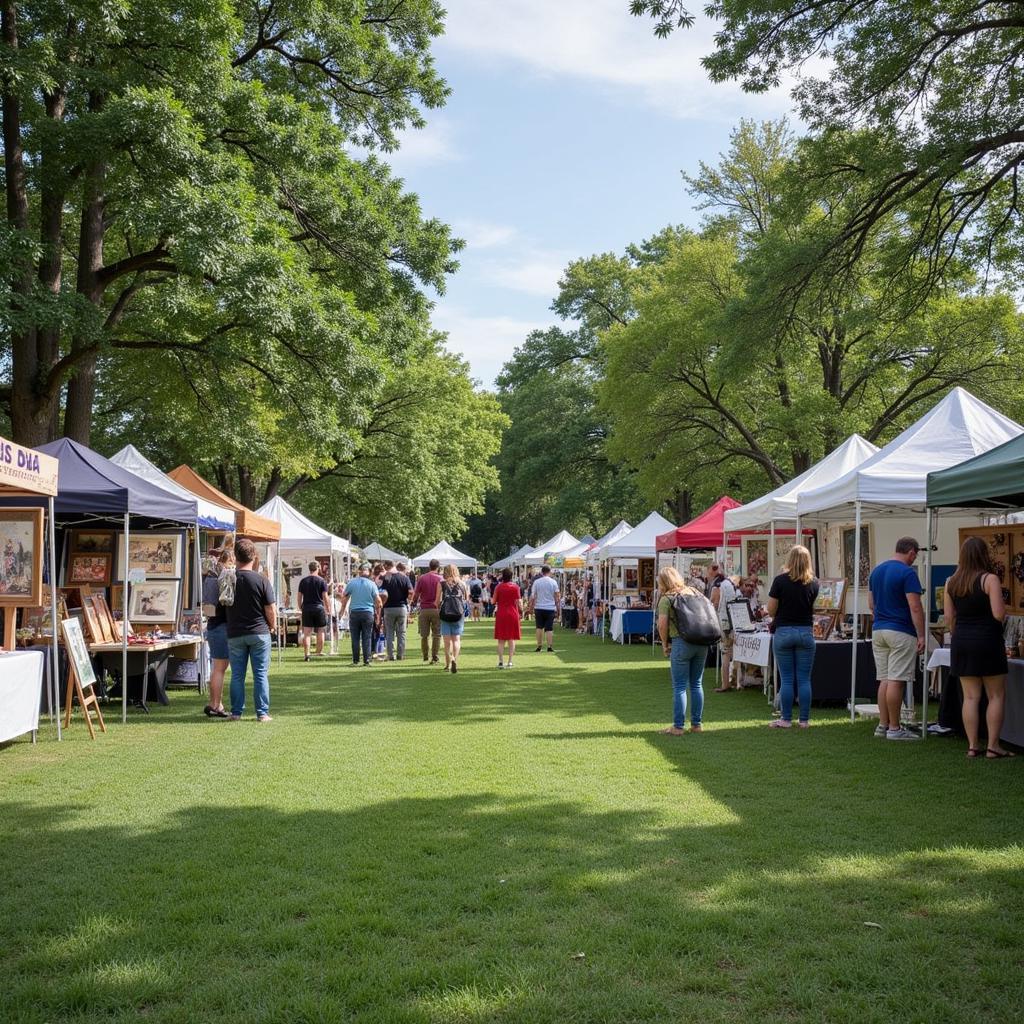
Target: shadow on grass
(473, 908)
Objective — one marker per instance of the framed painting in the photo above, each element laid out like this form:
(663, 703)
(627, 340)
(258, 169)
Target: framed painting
(92, 542)
(78, 651)
(94, 610)
(831, 595)
(90, 570)
(849, 553)
(157, 554)
(740, 617)
(154, 601)
(823, 623)
(21, 557)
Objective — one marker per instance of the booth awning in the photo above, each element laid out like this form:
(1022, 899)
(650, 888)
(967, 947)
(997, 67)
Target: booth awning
(93, 485)
(446, 555)
(211, 516)
(299, 534)
(376, 552)
(561, 542)
(993, 480)
(640, 542)
(247, 523)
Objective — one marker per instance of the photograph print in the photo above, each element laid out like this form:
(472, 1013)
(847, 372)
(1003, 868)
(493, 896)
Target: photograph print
(154, 602)
(21, 556)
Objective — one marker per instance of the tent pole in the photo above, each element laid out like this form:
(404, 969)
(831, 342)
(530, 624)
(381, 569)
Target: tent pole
(771, 552)
(204, 683)
(856, 612)
(124, 627)
(54, 699)
(929, 533)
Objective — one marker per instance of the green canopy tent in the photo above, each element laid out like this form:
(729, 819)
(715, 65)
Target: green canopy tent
(992, 480)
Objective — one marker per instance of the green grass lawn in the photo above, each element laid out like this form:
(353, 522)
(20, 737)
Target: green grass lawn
(401, 845)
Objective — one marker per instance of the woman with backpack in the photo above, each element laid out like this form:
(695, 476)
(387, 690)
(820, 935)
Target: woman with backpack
(687, 624)
(452, 612)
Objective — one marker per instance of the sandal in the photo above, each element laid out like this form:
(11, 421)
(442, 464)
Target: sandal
(208, 711)
(780, 723)
(973, 752)
(671, 731)
(997, 755)
(219, 713)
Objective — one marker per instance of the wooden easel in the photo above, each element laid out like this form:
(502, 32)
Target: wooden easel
(76, 689)
(9, 637)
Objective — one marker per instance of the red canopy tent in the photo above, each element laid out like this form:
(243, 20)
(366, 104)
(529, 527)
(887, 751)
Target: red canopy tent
(707, 531)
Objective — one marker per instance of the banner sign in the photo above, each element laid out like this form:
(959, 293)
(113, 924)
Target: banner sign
(25, 469)
(752, 648)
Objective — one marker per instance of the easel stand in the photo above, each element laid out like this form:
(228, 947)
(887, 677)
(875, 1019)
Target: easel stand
(10, 618)
(85, 701)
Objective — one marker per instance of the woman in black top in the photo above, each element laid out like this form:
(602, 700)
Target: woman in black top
(974, 614)
(791, 606)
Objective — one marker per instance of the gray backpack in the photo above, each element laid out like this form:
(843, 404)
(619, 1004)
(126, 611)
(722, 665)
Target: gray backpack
(226, 588)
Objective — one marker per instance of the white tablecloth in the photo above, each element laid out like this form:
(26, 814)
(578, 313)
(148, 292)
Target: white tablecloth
(637, 615)
(752, 648)
(21, 686)
(939, 658)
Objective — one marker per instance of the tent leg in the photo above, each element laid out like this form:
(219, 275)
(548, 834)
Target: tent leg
(124, 627)
(204, 682)
(54, 698)
(856, 614)
(930, 534)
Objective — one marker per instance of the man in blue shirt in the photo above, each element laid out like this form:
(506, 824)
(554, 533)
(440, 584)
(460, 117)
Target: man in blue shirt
(362, 602)
(897, 636)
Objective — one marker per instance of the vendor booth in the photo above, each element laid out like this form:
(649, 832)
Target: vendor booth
(628, 568)
(27, 560)
(126, 583)
(557, 545)
(376, 552)
(862, 514)
(445, 555)
(302, 541)
(247, 523)
(513, 559)
(993, 484)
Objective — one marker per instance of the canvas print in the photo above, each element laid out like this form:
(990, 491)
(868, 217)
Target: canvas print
(822, 625)
(92, 542)
(849, 552)
(21, 556)
(154, 602)
(831, 594)
(78, 651)
(757, 555)
(158, 554)
(93, 570)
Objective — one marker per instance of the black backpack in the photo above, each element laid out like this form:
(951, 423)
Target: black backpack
(452, 609)
(476, 591)
(696, 619)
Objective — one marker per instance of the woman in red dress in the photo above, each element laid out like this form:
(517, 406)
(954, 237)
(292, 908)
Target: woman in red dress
(509, 604)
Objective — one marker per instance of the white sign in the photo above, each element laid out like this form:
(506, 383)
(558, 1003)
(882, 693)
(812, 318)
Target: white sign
(136, 575)
(26, 469)
(752, 648)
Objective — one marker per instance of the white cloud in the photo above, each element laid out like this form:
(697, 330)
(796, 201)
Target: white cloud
(532, 272)
(598, 41)
(434, 144)
(487, 342)
(480, 234)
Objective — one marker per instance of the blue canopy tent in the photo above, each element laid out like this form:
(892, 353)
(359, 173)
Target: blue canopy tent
(91, 488)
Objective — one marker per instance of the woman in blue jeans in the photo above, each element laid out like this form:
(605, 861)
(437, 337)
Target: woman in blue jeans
(686, 660)
(791, 606)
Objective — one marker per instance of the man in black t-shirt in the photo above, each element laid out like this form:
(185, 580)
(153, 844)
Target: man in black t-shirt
(398, 587)
(310, 597)
(252, 620)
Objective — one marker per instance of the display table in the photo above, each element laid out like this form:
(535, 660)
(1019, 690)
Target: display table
(952, 698)
(147, 666)
(830, 677)
(627, 623)
(570, 618)
(21, 683)
(752, 648)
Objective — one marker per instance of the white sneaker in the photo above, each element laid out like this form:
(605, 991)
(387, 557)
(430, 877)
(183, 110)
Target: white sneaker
(509, 665)
(901, 734)
(880, 731)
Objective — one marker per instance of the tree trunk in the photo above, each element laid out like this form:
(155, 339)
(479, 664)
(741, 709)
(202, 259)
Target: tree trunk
(681, 507)
(82, 386)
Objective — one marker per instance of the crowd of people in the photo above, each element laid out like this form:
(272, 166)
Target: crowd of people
(378, 603)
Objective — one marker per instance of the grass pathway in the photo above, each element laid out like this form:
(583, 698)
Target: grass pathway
(401, 845)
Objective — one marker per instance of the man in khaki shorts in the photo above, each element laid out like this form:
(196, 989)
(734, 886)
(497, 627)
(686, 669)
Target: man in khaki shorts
(897, 637)
(426, 597)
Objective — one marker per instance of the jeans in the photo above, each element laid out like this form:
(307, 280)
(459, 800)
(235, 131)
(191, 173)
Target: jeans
(686, 663)
(360, 625)
(396, 621)
(254, 649)
(794, 657)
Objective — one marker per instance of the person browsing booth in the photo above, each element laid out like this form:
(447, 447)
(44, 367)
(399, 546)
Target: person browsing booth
(545, 601)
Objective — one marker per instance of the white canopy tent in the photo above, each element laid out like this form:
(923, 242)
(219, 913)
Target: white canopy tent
(514, 559)
(446, 555)
(780, 505)
(618, 531)
(376, 552)
(891, 487)
(557, 545)
(640, 542)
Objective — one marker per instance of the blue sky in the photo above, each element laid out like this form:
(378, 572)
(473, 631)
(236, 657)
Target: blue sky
(565, 136)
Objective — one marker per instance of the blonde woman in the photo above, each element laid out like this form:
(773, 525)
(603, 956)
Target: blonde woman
(686, 660)
(791, 606)
(453, 597)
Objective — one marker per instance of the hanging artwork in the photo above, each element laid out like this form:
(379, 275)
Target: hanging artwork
(92, 542)
(756, 561)
(93, 570)
(155, 601)
(849, 554)
(158, 554)
(21, 556)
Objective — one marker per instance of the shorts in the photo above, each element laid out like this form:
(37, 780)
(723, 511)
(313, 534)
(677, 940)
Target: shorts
(217, 638)
(452, 628)
(728, 641)
(315, 617)
(545, 618)
(895, 655)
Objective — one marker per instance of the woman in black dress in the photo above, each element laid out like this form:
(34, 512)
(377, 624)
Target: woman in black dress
(974, 614)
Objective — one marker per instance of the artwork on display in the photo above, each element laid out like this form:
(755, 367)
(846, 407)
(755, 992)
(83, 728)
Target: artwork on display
(740, 616)
(823, 624)
(849, 552)
(831, 595)
(92, 570)
(21, 557)
(756, 561)
(631, 579)
(191, 622)
(92, 542)
(93, 624)
(158, 554)
(154, 601)
(646, 574)
(940, 574)
(78, 651)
